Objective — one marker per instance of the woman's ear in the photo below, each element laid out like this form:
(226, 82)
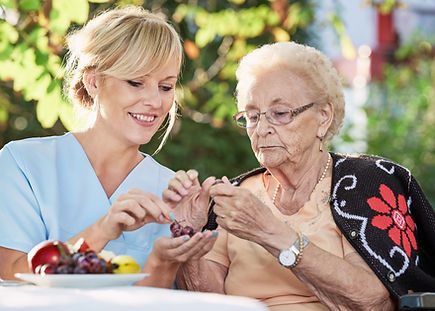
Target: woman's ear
(90, 82)
(326, 116)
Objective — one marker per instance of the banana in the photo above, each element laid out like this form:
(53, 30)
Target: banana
(124, 264)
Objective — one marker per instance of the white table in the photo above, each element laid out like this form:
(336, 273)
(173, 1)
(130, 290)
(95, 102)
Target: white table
(125, 298)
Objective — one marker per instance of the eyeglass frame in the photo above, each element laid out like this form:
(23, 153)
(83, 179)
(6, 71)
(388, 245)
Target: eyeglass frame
(294, 113)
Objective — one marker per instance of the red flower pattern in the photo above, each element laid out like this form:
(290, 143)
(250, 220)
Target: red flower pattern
(394, 217)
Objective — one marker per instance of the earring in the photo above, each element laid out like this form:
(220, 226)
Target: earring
(321, 145)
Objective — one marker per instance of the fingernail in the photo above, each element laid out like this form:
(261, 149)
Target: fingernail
(187, 184)
(172, 216)
(215, 234)
(186, 239)
(161, 218)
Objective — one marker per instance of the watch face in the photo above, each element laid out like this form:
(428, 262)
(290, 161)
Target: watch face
(287, 258)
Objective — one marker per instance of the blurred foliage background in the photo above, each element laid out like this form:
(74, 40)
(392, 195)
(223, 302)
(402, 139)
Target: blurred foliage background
(401, 112)
(216, 34)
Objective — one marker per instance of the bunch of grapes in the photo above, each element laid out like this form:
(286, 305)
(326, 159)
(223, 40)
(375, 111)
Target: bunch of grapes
(89, 262)
(178, 230)
(77, 263)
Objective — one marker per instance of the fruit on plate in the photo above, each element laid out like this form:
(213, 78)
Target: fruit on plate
(55, 257)
(178, 230)
(124, 264)
(50, 252)
(89, 262)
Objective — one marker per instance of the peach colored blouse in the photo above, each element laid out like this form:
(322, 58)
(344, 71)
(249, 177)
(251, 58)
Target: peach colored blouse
(254, 272)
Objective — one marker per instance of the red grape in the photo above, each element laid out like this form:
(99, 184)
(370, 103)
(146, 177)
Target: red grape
(64, 269)
(174, 226)
(78, 270)
(179, 230)
(187, 231)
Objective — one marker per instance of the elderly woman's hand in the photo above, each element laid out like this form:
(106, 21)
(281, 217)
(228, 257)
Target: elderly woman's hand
(241, 213)
(189, 200)
(132, 210)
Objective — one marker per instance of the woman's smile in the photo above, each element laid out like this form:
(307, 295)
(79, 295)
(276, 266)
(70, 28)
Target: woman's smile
(143, 119)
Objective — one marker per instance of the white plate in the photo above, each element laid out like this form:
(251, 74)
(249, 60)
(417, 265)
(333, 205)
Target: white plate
(81, 280)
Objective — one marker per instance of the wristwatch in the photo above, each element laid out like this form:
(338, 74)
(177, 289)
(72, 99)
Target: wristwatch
(290, 257)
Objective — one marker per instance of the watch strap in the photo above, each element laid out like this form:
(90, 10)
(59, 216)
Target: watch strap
(298, 248)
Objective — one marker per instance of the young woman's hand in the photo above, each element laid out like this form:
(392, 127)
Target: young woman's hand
(132, 210)
(184, 248)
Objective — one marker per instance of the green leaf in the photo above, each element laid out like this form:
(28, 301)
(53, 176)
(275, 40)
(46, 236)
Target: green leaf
(37, 89)
(202, 18)
(47, 108)
(8, 4)
(229, 71)
(8, 32)
(337, 23)
(54, 66)
(41, 58)
(4, 105)
(65, 11)
(98, 1)
(69, 118)
(27, 69)
(52, 86)
(59, 22)
(386, 6)
(4, 114)
(251, 23)
(347, 48)
(79, 10)
(7, 69)
(6, 51)
(204, 36)
(30, 5)
(180, 12)
(38, 38)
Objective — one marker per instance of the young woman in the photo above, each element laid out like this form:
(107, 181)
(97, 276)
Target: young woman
(95, 183)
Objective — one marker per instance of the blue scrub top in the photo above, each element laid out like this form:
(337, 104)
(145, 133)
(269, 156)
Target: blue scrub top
(49, 190)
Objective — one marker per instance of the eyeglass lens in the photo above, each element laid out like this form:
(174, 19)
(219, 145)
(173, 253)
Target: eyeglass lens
(276, 115)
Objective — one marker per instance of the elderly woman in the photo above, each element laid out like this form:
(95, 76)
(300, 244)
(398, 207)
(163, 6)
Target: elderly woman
(310, 230)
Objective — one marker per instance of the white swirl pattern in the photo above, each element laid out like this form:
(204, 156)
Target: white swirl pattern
(364, 220)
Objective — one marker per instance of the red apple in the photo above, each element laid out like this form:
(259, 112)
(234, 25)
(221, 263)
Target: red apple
(47, 252)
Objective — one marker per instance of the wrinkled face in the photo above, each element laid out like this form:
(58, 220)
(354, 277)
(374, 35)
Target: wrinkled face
(133, 110)
(276, 145)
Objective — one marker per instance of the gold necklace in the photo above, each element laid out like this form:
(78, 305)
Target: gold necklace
(275, 193)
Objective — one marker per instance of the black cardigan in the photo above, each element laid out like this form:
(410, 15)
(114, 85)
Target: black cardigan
(381, 209)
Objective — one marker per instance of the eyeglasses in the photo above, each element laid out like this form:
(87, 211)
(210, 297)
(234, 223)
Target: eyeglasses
(279, 115)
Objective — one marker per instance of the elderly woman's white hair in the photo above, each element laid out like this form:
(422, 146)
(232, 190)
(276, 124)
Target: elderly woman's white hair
(308, 63)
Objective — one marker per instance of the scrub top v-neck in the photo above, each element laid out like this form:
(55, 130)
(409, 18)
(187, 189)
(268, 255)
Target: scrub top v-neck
(49, 190)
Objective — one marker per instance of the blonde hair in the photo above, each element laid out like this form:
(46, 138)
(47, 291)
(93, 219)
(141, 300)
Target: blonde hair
(307, 63)
(124, 43)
